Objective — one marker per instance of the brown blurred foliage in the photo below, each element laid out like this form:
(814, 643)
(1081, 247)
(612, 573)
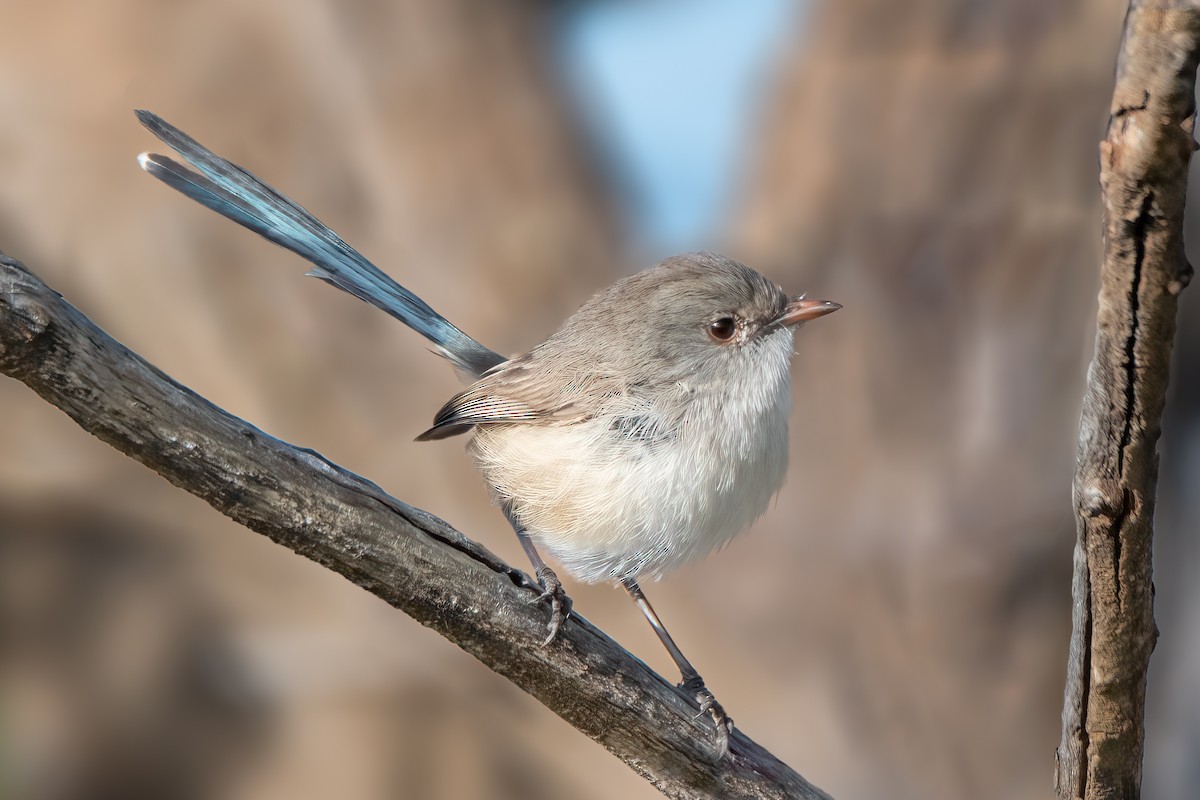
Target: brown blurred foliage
(895, 627)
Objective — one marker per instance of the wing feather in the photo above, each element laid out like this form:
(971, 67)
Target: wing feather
(513, 393)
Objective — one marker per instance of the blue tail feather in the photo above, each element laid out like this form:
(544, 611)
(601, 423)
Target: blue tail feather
(234, 193)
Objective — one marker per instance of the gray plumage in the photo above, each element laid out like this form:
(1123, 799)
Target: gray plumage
(643, 332)
(646, 432)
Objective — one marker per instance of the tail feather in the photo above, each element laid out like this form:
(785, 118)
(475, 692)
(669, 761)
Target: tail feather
(234, 193)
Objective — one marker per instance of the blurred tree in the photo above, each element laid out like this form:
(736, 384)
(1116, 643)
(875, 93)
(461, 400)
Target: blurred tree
(930, 164)
(433, 136)
(933, 166)
(118, 678)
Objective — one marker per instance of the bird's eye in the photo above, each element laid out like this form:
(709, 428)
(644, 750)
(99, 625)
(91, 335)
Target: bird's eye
(722, 329)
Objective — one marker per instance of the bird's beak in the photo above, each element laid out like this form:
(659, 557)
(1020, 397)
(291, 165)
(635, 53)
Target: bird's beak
(802, 310)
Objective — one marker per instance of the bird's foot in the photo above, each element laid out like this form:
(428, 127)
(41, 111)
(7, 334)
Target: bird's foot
(709, 705)
(560, 604)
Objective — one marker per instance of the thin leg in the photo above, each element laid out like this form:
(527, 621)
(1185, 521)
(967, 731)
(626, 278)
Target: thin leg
(552, 588)
(692, 681)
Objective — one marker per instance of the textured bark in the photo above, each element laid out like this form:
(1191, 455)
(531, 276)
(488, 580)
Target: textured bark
(405, 556)
(1143, 175)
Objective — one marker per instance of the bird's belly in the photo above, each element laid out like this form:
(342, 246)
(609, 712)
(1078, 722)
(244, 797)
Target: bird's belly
(607, 510)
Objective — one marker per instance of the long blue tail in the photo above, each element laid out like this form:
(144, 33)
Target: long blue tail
(234, 193)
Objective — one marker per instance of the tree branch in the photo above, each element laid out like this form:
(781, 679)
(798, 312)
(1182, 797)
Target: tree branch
(1143, 177)
(409, 558)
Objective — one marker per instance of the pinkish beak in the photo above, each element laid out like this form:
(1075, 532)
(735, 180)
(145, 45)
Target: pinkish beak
(802, 310)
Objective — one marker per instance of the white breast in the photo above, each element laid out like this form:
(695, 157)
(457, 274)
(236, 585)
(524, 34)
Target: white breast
(608, 503)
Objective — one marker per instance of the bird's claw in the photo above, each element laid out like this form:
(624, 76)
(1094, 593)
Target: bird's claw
(709, 705)
(560, 603)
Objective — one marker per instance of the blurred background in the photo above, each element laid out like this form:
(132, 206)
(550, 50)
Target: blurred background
(896, 626)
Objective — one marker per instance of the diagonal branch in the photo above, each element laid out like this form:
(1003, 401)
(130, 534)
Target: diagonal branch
(1143, 177)
(409, 558)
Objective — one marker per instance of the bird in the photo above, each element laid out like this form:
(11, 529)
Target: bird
(645, 433)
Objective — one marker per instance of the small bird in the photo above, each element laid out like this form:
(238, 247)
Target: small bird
(648, 431)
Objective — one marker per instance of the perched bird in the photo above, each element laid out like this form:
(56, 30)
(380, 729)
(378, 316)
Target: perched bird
(646, 432)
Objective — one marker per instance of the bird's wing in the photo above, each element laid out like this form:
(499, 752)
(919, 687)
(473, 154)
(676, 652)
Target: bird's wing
(517, 392)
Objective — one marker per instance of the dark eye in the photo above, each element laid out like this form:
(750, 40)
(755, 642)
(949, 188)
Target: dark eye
(722, 329)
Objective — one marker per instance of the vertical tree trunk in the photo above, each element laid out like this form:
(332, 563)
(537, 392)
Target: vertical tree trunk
(1143, 176)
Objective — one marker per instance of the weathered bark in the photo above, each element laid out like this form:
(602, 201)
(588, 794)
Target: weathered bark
(405, 556)
(1143, 176)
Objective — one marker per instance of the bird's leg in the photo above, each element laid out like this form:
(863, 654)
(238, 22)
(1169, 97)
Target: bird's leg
(552, 588)
(692, 682)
